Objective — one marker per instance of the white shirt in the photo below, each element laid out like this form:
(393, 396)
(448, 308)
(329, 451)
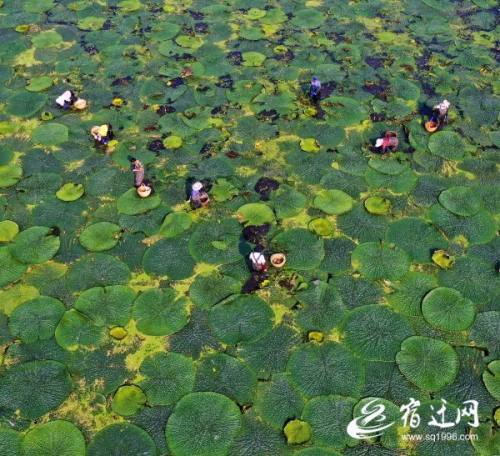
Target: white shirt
(64, 98)
(257, 258)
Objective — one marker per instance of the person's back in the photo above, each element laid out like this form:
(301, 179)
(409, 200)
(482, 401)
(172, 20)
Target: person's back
(199, 197)
(315, 88)
(440, 111)
(389, 142)
(138, 170)
(258, 261)
(66, 99)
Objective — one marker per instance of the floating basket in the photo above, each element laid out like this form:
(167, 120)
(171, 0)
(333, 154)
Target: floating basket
(80, 104)
(278, 260)
(204, 200)
(431, 126)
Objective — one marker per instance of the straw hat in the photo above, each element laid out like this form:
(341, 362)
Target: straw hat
(103, 130)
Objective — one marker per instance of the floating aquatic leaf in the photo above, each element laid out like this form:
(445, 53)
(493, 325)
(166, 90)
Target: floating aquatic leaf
(70, 192)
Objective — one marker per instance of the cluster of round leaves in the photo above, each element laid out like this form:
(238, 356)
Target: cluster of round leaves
(357, 231)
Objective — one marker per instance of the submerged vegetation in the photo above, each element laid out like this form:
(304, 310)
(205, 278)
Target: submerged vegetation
(127, 326)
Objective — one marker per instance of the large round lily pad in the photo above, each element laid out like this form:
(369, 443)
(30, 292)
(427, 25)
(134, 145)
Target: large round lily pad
(308, 18)
(446, 309)
(375, 332)
(447, 144)
(211, 417)
(132, 204)
(253, 59)
(244, 318)
(167, 377)
(318, 412)
(10, 442)
(207, 291)
(9, 175)
(39, 84)
(287, 201)
(128, 400)
(95, 270)
(50, 134)
(279, 400)
(333, 202)
(158, 312)
(49, 379)
(255, 214)
(463, 201)
(326, 369)
(170, 257)
(8, 230)
(10, 269)
(378, 205)
(226, 375)
(321, 307)
(55, 437)
(175, 223)
(303, 249)
(269, 354)
(344, 111)
(25, 104)
(109, 306)
(428, 363)
(70, 192)
(75, 330)
(100, 236)
(477, 229)
(416, 238)
(378, 261)
(409, 292)
(36, 319)
(122, 439)
(35, 245)
(216, 242)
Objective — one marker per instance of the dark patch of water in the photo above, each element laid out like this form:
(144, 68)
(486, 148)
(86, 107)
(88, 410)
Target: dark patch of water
(235, 58)
(270, 115)
(122, 81)
(256, 233)
(165, 109)
(201, 27)
(176, 82)
(156, 145)
(379, 88)
(197, 15)
(375, 62)
(264, 186)
(225, 82)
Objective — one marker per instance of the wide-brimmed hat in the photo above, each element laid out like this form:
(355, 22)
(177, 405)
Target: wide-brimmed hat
(103, 130)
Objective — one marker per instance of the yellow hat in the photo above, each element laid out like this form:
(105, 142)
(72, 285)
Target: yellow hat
(103, 130)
